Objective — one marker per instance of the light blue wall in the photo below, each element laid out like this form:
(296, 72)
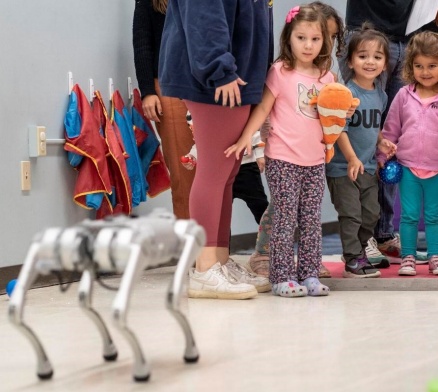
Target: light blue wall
(41, 42)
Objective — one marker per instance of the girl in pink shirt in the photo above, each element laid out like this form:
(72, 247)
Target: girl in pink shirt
(295, 151)
(412, 124)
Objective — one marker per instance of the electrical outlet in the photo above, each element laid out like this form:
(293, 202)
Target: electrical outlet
(37, 141)
(41, 140)
(25, 176)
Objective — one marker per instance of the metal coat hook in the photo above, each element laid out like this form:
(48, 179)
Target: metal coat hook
(70, 82)
(91, 88)
(130, 92)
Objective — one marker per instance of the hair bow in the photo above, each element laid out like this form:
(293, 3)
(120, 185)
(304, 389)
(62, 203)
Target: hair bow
(292, 13)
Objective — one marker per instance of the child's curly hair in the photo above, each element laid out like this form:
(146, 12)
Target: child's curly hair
(421, 44)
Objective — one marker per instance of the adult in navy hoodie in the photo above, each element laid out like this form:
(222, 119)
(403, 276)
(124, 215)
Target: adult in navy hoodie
(214, 56)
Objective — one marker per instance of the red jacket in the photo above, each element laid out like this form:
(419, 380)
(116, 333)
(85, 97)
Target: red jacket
(120, 200)
(83, 139)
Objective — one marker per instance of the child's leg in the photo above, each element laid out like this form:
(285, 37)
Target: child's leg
(265, 229)
(411, 199)
(259, 260)
(311, 180)
(284, 184)
(345, 196)
(248, 187)
(369, 189)
(430, 188)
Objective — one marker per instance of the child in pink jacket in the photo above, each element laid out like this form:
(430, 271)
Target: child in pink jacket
(412, 124)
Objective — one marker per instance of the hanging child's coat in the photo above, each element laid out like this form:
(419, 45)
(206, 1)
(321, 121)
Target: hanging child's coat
(120, 199)
(152, 160)
(121, 120)
(86, 152)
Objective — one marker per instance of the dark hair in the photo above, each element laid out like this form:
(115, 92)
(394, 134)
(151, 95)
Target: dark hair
(310, 14)
(329, 12)
(421, 44)
(366, 33)
(159, 6)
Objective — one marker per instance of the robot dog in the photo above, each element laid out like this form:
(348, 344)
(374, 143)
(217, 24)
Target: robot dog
(117, 245)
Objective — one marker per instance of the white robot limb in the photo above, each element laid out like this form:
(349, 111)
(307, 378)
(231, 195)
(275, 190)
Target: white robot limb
(122, 245)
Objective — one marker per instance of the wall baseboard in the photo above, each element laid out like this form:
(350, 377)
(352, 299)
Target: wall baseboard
(239, 243)
(243, 242)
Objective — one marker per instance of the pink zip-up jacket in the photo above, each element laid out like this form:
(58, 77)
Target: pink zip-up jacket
(413, 127)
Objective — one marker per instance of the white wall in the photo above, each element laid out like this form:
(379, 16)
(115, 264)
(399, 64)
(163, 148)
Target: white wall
(41, 42)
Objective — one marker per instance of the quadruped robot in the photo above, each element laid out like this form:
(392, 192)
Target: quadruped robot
(117, 245)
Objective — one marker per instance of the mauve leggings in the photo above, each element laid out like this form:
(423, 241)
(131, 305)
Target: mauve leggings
(211, 197)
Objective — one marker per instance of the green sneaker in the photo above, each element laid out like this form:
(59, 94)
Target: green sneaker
(375, 257)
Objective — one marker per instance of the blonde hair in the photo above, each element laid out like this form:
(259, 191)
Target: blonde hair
(159, 6)
(310, 14)
(421, 44)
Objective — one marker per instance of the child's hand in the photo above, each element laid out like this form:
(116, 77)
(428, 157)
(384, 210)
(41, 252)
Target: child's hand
(355, 166)
(387, 147)
(188, 161)
(351, 111)
(237, 148)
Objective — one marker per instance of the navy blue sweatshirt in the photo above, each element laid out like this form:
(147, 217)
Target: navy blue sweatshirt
(209, 43)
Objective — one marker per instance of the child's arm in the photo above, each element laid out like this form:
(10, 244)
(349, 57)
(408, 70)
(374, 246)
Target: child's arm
(259, 150)
(391, 131)
(254, 123)
(355, 166)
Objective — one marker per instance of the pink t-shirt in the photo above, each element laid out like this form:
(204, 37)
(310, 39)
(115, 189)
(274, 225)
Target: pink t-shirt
(296, 133)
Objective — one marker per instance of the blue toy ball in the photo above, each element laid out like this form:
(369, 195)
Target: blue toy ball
(391, 173)
(10, 287)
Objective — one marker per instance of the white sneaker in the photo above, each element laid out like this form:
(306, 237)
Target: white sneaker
(433, 265)
(407, 266)
(242, 275)
(375, 257)
(217, 283)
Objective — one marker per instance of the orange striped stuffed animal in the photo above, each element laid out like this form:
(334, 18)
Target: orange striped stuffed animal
(333, 102)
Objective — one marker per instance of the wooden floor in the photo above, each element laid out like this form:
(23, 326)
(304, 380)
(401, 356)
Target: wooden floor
(350, 341)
